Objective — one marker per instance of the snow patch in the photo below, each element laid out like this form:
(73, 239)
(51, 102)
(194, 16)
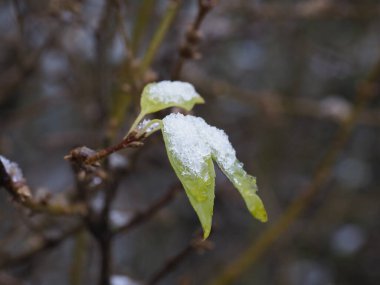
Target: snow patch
(193, 141)
(172, 92)
(145, 122)
(12, 169)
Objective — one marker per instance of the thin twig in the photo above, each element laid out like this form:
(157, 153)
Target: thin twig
(99, 155)
(188, 50)
(140, 24)
(20, 192)
(123, 30)
(159, 35)
(103, 37)
(84, 156)
(149, 212)
(78, 259)
(38, 248)
(176, 260)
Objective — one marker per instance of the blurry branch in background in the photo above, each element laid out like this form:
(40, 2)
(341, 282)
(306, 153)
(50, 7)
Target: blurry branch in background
(142, 19)
(94, 179)
(197, 244)
(6, 279)
(274, 104)
(49, 243)
(150, 211)
(311, 10)
(10, 80)
(104, 34)
(40, 245)
(77, 267)
(188, 49)
(28, 60)
(13, 182)
(136, 73)
(366, 90)
(159, 35)
(19, 16)
(124, 33)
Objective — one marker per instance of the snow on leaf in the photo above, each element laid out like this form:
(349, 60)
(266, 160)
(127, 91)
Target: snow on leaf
(165, 94)
(149, 126)
(12, 169)
(191, 161)
(191, 145)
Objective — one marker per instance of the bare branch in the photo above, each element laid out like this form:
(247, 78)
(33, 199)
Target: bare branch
(150, 211)
(197, 244)
(188, 50)
(13, 182)
(42, 246)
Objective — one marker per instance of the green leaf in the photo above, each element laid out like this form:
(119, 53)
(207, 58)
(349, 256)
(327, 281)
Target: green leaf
(246, 185)
(165, 94)
(199, 187)
(192, 145)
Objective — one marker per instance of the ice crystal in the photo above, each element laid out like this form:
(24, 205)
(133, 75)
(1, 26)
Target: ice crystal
(145, 122)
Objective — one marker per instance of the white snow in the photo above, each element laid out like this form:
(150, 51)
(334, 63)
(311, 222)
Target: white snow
(192, 141)
(145, 122)
(172, 91)
(122, 280)
(119, 218)
(12, 169)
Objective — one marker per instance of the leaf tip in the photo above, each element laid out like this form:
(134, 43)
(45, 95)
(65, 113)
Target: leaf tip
(206, 233)
(258, 210)
(200, 100)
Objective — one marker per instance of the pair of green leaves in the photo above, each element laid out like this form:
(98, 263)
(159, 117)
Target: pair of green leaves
(192, 145)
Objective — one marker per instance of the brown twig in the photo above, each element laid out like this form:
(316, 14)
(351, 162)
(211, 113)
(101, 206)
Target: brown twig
(103, 37)
(149, 212)
(85, 156)
(188, 50)
(38, 248)
(172, 263)
(78, 258)
(130, 141)
(20, 192)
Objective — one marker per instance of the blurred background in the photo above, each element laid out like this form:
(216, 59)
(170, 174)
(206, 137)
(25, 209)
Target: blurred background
(280, 77)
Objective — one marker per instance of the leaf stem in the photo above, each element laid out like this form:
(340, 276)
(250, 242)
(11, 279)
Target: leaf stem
(148, 125)
(135, 123)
